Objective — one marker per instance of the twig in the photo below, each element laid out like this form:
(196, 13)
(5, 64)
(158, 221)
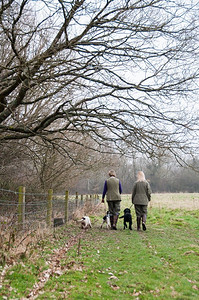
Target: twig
(78, 248)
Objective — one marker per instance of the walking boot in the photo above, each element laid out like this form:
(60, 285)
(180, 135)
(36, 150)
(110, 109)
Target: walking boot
(138, 223)
(111, 221)
(144, 222)
(115, 218)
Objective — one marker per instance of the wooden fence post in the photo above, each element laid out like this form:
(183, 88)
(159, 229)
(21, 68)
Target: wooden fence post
(66, 207)
(90, 200)
(82, 201)
(76, 199)
(49, 207)
(21, 207)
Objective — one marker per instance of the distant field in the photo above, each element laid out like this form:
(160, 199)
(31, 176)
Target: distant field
(186, 201)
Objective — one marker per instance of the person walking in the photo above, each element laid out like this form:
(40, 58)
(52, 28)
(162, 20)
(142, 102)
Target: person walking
(141, 195)
(113, 190)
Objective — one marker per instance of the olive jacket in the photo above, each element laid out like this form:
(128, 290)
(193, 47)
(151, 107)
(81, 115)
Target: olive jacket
(141, 193)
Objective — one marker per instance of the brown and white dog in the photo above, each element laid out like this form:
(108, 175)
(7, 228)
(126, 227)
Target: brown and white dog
(85, 222)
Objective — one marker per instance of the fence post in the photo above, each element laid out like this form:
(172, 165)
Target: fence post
(76, 199)
(21, 207)
(90, 200)
(49, 207)
(66, 207)
(82, 201)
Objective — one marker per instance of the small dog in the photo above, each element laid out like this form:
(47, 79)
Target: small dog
(127, 218)
(85, 222)
(106, 219)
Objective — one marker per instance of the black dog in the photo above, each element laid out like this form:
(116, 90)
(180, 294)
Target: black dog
(127, 218)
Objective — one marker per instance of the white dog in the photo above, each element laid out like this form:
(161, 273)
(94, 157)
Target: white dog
(85, 222)
(106, 219)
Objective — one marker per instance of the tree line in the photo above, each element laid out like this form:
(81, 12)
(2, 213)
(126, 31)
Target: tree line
(46, 168)
(164, 176)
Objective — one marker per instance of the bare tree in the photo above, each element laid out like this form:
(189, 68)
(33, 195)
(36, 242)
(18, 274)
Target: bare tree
(122, 72)
(61, 168)
(40, 166)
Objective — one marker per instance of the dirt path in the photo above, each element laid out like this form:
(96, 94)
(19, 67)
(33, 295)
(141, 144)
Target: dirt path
(55, 268)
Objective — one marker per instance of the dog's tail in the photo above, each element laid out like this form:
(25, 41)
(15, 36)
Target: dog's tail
(121, 217)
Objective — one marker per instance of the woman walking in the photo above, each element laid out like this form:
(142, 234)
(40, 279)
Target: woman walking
(113, 190)
(141, 195)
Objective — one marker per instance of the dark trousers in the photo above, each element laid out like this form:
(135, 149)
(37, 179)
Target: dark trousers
(140, 210)
(114, 207)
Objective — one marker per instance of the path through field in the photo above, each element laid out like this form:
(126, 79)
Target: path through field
(161, 263)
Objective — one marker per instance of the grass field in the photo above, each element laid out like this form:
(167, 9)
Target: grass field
(161, 263)
(185, 201)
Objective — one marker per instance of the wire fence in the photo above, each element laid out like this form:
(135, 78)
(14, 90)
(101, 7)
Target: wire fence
(26, 211)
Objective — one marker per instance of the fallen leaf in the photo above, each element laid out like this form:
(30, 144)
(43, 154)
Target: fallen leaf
(113, 277)
(191, 281)
(136, 293)
(114, 287)
(58, 272)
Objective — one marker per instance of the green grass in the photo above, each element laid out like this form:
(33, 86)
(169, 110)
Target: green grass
(161, 263)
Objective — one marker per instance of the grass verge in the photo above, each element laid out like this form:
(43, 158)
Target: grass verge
(161, 263)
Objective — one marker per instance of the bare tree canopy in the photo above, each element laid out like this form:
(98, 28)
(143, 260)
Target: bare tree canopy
(119, 71)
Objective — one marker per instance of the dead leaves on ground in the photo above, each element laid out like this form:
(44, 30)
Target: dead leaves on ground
(55, 267)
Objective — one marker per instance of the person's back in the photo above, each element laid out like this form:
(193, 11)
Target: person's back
(141, 193)
(113, 193)
(113, 190)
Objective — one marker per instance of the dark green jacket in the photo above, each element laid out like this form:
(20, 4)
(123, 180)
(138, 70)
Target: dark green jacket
(141, 193)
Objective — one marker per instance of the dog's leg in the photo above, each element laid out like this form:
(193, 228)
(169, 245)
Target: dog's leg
(103, 223)
(108, 221)
(125, 225)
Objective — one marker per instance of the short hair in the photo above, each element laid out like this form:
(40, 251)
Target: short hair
(111, 173)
